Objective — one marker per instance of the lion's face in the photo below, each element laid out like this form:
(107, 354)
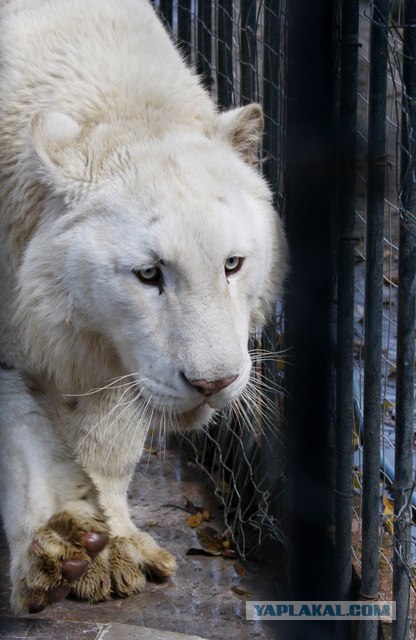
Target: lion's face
(171, 263)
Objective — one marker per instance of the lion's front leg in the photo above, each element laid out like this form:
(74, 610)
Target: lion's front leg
(50, 515)
(133, 554)
(109, 456)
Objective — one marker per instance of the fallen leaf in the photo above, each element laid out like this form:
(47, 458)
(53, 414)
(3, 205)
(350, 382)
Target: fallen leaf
(218, 544)
(195, 520)
(240, 592)
(193, 551)
(388, 513)
(240, 569)
(210, 539)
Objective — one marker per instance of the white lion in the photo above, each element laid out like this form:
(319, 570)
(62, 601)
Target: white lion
(139, 248)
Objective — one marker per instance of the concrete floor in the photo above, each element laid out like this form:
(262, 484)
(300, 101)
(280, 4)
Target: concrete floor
(199, 601)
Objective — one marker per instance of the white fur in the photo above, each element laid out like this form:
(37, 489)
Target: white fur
(113, 158)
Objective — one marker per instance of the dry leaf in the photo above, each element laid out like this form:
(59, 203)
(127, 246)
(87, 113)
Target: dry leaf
(210, 540)
(241, 570)
(240, 592)
(195, 520)
(388, 513)
(216, 543)
(193, 551)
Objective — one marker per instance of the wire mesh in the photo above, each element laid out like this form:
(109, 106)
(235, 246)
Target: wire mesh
(234, 46)
(395, 110)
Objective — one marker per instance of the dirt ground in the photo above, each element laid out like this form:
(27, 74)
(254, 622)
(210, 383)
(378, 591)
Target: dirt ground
(205, 599)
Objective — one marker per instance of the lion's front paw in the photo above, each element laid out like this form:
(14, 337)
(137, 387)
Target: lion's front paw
(134, 557)
(60, 557)
(75, 555)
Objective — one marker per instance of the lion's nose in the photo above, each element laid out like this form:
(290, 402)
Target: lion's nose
(209, 387)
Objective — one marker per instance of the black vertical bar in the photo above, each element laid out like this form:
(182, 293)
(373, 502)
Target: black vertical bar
(225, 52)
(203, 62)
(270, 138)
(406, 327)
(270, 150)
(309, 223)
(166, 9)
(271, 91)
(248, 51)
(184, 27)
(345, 303)
(374, 309)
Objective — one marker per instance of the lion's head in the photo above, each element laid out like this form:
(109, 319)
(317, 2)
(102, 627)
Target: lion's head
(155, 257)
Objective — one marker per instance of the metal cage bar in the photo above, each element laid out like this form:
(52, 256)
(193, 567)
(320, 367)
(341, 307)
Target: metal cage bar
(345, 303)
(225, 79)
(374, 308)
(248, 47)
(166, 9)
(204, 44)
(406, 326)
(270, 92)
(309, 215)
(184, 27)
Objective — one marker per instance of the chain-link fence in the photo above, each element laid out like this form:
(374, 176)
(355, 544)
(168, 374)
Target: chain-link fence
(359, 102)
(386, 222)
(235, 48)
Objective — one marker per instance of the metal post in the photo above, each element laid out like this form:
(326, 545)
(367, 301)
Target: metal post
(271, 133)
(166, 9)
(271, 91)
(345, 303)
(374, 309)
(309, 222)
(204, 54)
(225, 53)
(406, 325)
(270, 140)
(248, 51)
(184, 27)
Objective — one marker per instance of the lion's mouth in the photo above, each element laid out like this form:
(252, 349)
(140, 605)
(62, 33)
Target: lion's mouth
(183, 420)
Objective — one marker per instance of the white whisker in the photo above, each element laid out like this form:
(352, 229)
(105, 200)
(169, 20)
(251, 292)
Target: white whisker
(113, 384)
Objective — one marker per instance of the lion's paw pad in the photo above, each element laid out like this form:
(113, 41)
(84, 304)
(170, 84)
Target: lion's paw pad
(60, 556)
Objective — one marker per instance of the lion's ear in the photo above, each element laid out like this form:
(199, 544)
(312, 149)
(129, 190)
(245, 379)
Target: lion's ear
(243, 128)
(59, 145)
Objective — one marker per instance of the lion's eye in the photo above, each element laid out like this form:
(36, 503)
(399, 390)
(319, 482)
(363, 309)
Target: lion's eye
(149, 275)
(233, 264)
